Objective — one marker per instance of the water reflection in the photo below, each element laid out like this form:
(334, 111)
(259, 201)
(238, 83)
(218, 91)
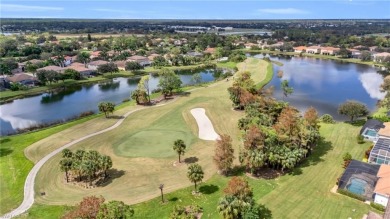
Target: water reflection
(64, 104)
(324, 84)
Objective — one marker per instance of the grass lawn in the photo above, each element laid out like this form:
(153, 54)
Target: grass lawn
(34, 146)
(303, 193)
(231, 65)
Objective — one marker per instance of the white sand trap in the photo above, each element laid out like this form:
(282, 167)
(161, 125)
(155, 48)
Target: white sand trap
(206, 129)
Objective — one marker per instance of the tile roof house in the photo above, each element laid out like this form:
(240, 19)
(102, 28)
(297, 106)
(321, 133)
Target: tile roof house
(142, 60)
(313, 49)
(329, 50)
(121, 65)
(382, 188)
(53, 68)
(95, 64)
(209, 50)
(94, 54)
(379, 57)
(299, 49)
(24, 79)
(80, 67)
(152, 56)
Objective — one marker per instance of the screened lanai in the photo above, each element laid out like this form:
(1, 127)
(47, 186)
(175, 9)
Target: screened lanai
(380, 153)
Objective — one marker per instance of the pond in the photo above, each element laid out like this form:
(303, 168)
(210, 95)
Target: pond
(325, 84)
(65, 104)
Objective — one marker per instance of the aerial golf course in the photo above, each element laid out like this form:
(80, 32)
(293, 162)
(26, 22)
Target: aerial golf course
(141, 150)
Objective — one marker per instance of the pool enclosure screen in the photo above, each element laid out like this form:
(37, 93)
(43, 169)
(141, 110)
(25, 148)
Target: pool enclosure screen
(380, 154)
(360, 178)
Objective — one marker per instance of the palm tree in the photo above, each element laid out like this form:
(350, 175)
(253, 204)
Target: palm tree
(180, 147)
(195, 173)
(89, 168)
(66, 165)
(105, 163)
(228, 207)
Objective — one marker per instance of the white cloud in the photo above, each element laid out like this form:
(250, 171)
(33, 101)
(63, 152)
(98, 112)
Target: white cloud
(29, 8)
(282, 11)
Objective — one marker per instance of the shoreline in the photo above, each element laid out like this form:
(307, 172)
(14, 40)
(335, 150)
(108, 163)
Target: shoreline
(14, 95)
(317, 56)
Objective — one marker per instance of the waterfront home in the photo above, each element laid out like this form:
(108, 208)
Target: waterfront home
(355, 53)
(121, 65)
(250, 45)
(80, 67)
(52, 68)
(152, 56)
(370, 129)
(382, 187)
(24, 79)
(95, 64)
(313, 49)
(142, 60)
(379, 57)
(329, 51)
(372, 48)
(300, 49)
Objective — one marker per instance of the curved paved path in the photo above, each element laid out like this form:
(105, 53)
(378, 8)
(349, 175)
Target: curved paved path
(28, 200)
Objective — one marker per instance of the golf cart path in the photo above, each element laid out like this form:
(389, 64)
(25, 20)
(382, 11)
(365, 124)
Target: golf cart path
(28, 200)
(29, 192)
(206, 128)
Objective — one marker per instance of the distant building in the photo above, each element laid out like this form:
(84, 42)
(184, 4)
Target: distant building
(300, 49)
(52, 68)
(313, 49)
(142, 60)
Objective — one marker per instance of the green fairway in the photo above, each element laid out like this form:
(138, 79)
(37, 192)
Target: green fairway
(151, 143)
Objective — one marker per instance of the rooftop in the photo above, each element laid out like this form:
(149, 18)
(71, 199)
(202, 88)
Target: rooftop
(372, 124)
(51, 68)
(20, 77)
(385, 131)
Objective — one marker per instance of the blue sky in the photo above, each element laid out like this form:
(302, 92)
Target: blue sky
(197, 9)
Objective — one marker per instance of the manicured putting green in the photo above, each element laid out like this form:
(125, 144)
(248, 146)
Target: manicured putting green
(155, 143)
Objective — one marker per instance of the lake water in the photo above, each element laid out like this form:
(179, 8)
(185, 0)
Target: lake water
(62, 105)
(325, 84)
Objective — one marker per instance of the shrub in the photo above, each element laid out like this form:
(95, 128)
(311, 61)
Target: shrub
(347, 157)
(326, 118)
(352, 195)
(377, 206)
(125, 100)
(368, 151)
(360, 139)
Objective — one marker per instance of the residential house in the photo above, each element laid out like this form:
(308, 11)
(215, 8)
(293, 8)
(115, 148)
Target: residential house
(94, 54)
(24, 79)
(80, 67)
(152, 56)
(313, 49)
(95, 64)
(121, 65)
(276, 45)
(329, 50)
(52, 68)
(372, 48)
(238, 43)
(210, 50)
(355, 53)
(382, 187)
(370, 129)
(250, 45)
(300, 49)
(142, 60)
(379, 57)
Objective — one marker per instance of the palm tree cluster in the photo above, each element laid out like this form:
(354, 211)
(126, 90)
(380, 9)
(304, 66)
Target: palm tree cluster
(275, 134)
(85, 165)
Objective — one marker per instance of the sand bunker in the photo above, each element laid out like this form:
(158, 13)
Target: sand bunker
(206, 129)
